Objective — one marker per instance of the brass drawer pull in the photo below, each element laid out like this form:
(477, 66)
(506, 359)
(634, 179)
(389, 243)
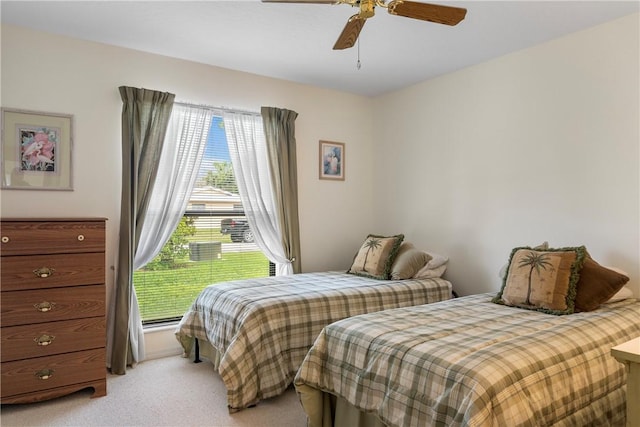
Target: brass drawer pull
(44, 306)
(5, 239)
(80, 237)
(44, 374)
(44, 272)
(44, 339)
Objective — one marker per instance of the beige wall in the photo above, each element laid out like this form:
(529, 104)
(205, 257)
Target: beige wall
(541, 144)
(58, 74)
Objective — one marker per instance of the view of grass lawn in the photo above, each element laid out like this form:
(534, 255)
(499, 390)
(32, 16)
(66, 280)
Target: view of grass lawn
(208, 235)
(166, 294)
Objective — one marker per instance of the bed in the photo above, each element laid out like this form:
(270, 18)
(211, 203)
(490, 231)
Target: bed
(257, 331)
(472, 361)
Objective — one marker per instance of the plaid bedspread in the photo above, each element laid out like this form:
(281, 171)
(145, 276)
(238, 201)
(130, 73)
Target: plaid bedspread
(262, 328)
(469, 362)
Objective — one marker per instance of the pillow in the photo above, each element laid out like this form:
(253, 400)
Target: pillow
(376, 256)
(434, 268)
(542, 280)
(503, 271)
(437, 260)
(430, 273)
(619, 270)
(596, 285)
(624, 293)
(408, 261)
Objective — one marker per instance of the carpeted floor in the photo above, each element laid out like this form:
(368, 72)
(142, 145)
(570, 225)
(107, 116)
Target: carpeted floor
(164, 392)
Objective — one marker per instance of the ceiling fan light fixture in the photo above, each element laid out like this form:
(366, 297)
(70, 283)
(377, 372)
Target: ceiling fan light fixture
(440, 14)
(367, 8)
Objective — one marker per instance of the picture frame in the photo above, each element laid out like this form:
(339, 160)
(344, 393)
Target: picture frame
(332, 160)
(36, 151)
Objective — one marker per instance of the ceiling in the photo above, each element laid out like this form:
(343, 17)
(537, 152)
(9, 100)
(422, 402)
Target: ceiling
(294, 41)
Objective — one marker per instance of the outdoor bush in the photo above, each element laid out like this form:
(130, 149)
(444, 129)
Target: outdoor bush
(176, 251)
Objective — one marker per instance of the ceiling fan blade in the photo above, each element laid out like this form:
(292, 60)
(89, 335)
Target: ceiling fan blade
(350, 33)
(301, 1)
(447, 15)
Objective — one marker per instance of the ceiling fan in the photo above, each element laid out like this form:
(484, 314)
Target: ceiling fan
(440, 14)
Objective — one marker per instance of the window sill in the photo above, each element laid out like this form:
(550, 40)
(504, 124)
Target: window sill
(159, 327)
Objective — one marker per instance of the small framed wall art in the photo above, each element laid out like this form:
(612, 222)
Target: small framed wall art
(36, 150)
(332, 160)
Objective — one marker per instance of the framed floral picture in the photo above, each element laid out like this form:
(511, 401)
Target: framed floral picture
(36, 150)
(332, 160)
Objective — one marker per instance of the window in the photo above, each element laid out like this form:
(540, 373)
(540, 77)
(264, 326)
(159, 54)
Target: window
(212, 243)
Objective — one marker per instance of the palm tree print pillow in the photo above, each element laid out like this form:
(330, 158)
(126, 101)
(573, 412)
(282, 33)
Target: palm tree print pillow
(543, 280)
(376, 255)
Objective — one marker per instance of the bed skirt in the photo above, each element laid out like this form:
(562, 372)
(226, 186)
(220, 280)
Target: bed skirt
(205, 349)
(326, 410)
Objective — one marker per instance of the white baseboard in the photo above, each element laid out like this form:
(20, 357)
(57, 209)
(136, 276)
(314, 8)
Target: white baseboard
(161, 342)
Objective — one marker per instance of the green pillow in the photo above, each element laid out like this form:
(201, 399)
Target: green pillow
(503, 270)
(543, 280)
(376, 256)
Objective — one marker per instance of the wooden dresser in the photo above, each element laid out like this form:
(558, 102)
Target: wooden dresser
(52, 308)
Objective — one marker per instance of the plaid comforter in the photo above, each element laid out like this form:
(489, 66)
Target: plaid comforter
(262, 328)
(470, 362)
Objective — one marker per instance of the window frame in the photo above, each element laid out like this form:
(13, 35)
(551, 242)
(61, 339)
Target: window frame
(202, 213)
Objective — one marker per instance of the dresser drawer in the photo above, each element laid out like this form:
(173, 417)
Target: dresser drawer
(46, 339)
(51, 237)
(48, 271)
(48, 305)
(43, 373)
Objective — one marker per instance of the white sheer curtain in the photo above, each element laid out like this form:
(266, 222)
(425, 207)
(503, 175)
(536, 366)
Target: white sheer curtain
(248, 152)
(178, 168)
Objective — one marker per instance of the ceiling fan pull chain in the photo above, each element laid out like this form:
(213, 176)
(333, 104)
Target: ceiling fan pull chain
(358, 63)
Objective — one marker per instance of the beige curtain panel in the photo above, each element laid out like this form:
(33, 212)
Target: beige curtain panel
(145, 116)
(279, 130)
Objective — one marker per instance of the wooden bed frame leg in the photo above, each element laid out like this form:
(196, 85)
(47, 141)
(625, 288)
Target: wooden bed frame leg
(197, 353)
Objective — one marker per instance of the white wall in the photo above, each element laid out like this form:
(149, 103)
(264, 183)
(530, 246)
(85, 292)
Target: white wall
(57, 74)
(542, 144)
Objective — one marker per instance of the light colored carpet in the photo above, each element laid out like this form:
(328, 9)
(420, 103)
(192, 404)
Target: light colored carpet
(171, 391)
